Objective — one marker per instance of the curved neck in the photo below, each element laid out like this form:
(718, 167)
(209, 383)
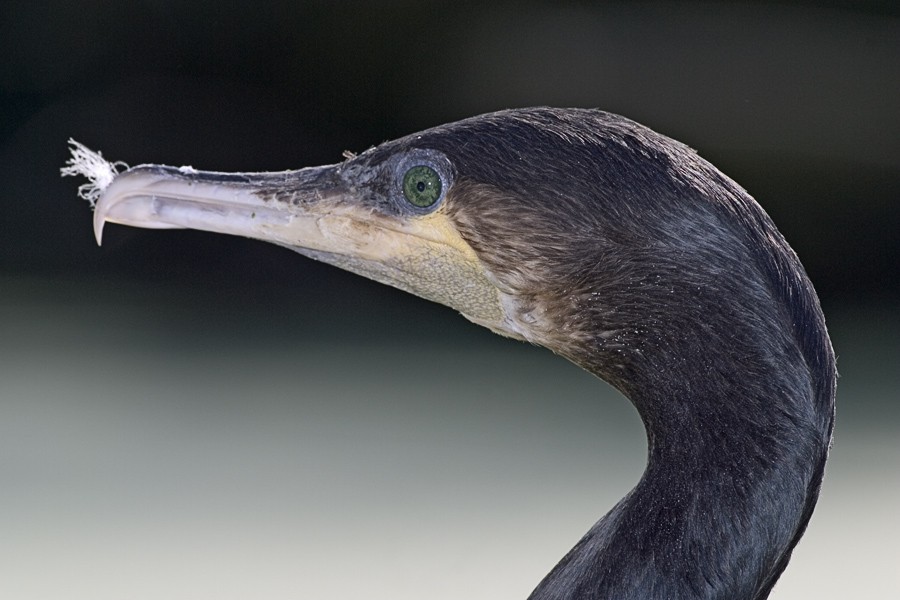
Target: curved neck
(734, 468)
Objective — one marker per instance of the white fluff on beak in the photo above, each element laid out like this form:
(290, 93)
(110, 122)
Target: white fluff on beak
(99, 171)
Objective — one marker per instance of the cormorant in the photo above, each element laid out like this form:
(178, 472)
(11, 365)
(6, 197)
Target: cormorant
(619, 249)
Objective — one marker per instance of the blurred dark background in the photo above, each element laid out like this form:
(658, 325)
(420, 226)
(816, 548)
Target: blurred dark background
(170, 337)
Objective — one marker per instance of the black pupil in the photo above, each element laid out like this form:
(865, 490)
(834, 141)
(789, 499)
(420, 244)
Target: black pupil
(420, 186)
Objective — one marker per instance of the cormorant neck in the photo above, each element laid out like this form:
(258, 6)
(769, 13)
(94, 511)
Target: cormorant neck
(736, 450)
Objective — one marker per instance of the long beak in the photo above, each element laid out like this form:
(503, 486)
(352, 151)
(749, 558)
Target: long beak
(278, 207)
(326, 213)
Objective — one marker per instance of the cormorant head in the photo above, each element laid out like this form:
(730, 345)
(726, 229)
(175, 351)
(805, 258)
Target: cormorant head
(574, 229)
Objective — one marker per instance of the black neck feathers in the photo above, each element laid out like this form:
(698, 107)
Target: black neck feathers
(644, 264)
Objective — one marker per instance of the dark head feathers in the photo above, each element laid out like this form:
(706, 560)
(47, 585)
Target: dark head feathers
(582, 201)
(639, 260)
(632, 256)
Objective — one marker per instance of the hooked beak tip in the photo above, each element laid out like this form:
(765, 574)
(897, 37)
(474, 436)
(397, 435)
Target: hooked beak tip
(98, 231)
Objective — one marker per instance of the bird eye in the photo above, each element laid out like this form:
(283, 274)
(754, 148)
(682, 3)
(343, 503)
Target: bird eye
(422, 186)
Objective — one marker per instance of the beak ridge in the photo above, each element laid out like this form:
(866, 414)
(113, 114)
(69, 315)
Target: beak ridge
(160, 197)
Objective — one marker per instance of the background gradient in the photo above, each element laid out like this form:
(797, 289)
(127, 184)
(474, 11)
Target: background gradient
(185, 415)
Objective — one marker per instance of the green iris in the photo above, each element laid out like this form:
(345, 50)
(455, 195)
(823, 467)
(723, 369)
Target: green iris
(422, 186)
